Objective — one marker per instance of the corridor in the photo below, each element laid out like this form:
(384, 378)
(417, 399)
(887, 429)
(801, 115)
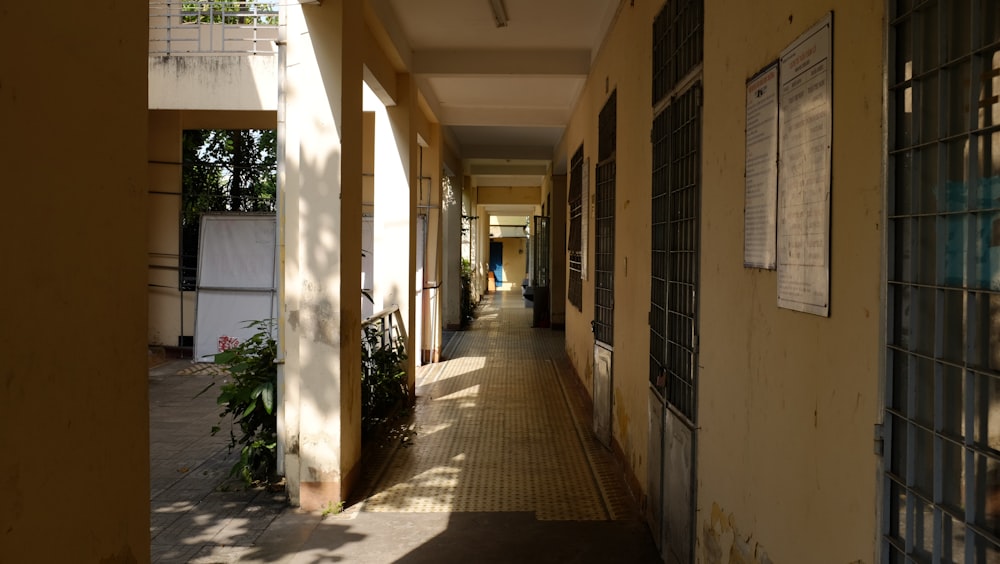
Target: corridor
(496, 463)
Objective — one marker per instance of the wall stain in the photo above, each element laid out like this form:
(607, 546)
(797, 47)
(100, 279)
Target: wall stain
(720, 532)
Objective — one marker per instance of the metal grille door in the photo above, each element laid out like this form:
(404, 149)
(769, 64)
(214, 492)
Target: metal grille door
(673, 314)
(682, 256)
(673, 292)
(673, 304)
(942, 414)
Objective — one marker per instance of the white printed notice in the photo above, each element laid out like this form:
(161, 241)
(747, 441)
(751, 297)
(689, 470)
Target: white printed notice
(804, 136)
(760, 204)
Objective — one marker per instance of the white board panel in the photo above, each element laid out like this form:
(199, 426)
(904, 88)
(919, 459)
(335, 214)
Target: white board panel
(236, 279)
(227, 314)
(805, 143)
(236, 251)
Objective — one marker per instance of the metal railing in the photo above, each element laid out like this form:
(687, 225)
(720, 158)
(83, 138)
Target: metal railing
(388, 324)
(205, 28)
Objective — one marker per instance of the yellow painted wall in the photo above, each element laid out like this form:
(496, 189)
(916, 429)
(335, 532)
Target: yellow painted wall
(166, 316)
(788, 400)
(529, 195)
(515, 262)
(623, 64)
(74, 429)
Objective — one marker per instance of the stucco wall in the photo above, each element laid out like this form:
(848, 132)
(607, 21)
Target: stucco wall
(623, 65)
(74, 429)
(213, 82)
(788, 400)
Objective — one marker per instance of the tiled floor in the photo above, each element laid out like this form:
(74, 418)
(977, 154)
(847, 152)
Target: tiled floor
(194, 507)
(494, 430)
(497, 465)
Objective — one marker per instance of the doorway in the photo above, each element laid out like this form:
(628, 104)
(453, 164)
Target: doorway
(604, 270)
(674, 285)
(496, 262)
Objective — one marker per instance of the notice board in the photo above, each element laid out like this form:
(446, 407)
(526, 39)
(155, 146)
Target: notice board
(760, 213)
(805, 134)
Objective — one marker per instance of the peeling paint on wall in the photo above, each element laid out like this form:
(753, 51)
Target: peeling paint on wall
(723, 543)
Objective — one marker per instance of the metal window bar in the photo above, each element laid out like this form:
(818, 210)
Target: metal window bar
(942, 413)
(604, 237)
(683, 205)
(388, 325)
(575, 201)
(604, 254)
(659, 226)
(678, 32)
(205, 27)
(575, 243)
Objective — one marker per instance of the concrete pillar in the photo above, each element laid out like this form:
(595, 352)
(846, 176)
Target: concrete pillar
(471, 199)
(451, 256)
(431, 206)
(483, 248)
(74, 403)
(557, 251)
(396, 170)
(321, 222)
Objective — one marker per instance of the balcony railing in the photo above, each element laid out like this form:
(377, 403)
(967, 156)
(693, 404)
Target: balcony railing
(209, 28)
(388, 326)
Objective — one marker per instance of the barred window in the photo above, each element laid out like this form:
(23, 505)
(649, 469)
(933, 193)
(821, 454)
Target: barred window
(942, 402)
(576, 230)
(604, 223)
(677, 44)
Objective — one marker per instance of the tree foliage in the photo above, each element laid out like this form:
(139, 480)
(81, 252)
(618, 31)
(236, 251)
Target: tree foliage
(259, 12)
(225, 170)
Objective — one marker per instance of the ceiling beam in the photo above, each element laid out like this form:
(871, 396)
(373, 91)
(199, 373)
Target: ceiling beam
(524, 62)
(509, 169)
(518, 195)
(532, 152)
(385, 27)
(509, 116)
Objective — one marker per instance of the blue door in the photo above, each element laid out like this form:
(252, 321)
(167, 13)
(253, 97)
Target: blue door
(496, 261)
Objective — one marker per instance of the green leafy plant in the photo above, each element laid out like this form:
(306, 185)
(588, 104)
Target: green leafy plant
(333, 509)
(468, 308)
(249, 401)
(383, 377)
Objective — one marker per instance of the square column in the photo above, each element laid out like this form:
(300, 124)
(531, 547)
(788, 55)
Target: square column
(396, 171)
(321, 223)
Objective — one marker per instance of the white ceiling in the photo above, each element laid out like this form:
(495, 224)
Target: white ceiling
(503, 94)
